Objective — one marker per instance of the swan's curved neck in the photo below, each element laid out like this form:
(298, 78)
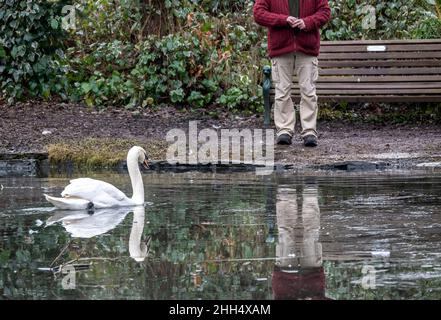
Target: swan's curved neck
(138, 250)
(136, 179)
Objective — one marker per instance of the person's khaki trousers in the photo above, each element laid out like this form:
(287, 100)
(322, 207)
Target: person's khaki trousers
(298, 247)
(306, 68)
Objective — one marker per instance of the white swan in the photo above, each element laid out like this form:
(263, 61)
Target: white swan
(90, 194)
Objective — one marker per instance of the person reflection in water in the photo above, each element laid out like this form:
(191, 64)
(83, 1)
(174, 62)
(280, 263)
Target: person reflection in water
(298, 273)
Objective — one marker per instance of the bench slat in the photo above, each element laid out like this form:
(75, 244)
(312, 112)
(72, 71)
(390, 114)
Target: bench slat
(389, 48)
(380, 63)
(379, 42)
(389, 91)
(376, 86)
(380, 71)
(375, 98)
(377, 79)
(378, 98)
(379, 55)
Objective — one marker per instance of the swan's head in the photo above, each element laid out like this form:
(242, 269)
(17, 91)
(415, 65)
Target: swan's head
(140, 154)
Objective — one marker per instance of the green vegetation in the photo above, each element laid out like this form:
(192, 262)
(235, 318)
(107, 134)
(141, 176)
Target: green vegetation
(31, 40)
(140, 54)
(398, 19)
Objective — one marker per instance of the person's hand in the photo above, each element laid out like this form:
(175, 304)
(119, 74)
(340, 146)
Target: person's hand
(298, 23)
(291, 21)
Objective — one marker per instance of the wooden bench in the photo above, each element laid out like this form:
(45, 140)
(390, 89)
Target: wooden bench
(372, 71)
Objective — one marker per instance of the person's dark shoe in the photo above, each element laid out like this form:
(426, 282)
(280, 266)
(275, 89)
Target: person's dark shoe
(284, 139)
(310, 141)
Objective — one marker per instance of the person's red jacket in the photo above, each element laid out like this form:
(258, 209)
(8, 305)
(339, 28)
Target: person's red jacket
(309, 285)
(282, 38)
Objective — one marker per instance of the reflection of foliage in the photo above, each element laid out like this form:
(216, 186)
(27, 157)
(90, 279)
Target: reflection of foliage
(343, 281)
(20, 256)
(203, 234)
(186, 241)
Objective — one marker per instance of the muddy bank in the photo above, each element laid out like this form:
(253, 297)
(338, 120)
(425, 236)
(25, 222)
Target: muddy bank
(33, 129)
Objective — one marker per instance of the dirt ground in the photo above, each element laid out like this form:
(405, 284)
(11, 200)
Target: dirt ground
(32, 127)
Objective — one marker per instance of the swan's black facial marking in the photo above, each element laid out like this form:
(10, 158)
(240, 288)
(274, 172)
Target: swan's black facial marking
(145, 164)
(90, 208)
(145, 154)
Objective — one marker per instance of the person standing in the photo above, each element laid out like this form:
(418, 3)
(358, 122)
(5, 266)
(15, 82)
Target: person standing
(293, 46)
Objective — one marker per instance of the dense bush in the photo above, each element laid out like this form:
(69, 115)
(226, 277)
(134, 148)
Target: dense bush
(142, 53)
(398, 19)
(212, 59)
(135, 19)
(30, 48)
(430, 27)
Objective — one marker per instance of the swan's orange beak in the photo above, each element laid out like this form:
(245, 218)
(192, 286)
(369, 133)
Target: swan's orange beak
(146, 164)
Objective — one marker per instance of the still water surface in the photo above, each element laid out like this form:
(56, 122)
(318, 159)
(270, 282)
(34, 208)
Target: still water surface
(228, 236)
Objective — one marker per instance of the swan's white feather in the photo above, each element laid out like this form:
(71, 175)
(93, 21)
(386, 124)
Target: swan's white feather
(68, 203)
(100, 193)
(86, 187)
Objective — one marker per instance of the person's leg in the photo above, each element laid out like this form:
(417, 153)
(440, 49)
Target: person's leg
(287, 215)
(311, 248)
(282, 75)
(307, 72)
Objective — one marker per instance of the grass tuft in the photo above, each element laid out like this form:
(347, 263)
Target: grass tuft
(101, 152)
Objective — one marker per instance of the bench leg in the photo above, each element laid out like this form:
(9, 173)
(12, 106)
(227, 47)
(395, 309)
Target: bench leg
(266, 94)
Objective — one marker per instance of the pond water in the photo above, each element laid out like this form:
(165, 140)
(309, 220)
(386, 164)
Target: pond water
(228, 236)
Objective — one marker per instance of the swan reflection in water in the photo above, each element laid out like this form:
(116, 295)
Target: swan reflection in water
(81, 224)
(298, 272)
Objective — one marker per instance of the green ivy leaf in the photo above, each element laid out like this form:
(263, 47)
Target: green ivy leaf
(54, 24)
(177, 95)
(86, 87)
